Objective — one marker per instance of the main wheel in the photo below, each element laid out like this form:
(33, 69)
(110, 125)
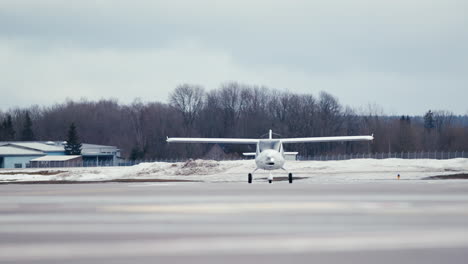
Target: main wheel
(290, 178)
(270, 181)
(250, 177)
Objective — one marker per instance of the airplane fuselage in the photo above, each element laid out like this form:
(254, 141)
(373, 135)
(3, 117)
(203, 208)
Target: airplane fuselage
(270, 155)
(270, 160)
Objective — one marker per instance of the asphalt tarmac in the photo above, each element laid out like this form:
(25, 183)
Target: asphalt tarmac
(349, 222)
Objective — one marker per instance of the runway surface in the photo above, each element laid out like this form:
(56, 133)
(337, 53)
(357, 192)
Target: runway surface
(354, 222)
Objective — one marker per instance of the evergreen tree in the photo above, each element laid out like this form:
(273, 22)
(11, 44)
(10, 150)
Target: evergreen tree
(429, 123)
(8, 130)
(73, 146)
(27, 133)
(2, 131)
(137, 153)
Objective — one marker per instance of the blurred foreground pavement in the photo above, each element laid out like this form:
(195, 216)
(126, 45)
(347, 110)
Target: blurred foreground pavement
(366, 222)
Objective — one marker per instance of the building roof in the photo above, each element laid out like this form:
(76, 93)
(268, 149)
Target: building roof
(39, 146)
(57, 158)
(16, 151)
(52, 145)
(58, 146)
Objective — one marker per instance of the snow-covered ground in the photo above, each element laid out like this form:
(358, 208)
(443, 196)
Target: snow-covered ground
(236, 171)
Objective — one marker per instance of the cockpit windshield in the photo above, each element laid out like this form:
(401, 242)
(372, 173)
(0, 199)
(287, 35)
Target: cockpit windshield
(269, 144)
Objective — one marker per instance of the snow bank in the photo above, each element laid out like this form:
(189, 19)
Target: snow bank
(227, 171)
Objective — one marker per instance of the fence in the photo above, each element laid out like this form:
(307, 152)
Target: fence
(69, 164)
(394, 155)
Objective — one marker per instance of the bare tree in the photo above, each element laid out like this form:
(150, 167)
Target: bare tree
(231, 103)
(235, 110)
(444, 125)
(188, 100)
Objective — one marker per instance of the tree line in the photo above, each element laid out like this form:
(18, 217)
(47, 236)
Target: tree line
(139, 129)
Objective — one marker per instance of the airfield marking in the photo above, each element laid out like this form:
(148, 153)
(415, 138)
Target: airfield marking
(233, 208)
(236, 245)
(66, 192)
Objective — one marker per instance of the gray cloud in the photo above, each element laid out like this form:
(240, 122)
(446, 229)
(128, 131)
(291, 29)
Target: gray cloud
(407, 56)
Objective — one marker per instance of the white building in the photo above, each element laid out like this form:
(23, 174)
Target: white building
(17, 154)
(16, 157)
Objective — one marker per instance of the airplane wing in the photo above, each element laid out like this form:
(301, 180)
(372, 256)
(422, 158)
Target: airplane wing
(213, 140)
(327, 139)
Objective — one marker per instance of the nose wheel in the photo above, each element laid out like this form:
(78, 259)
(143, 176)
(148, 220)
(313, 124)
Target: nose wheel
(270, 178)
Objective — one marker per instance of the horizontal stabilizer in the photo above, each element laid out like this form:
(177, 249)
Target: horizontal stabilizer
(291, 153)
(249, 153)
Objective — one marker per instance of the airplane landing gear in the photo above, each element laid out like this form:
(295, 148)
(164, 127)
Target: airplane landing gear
(290, 176)
(270, 178)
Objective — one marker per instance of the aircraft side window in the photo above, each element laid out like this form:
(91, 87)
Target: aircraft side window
(269, 145)
(276, 146)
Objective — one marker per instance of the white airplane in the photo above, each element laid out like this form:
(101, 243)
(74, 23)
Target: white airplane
(270, 152)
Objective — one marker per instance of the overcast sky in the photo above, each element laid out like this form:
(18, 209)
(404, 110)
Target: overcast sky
(407, 56)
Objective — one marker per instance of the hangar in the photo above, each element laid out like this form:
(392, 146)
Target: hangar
(18, 154)
(15, 157)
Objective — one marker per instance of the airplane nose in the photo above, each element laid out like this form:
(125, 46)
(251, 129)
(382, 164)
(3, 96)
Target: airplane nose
(270, 161)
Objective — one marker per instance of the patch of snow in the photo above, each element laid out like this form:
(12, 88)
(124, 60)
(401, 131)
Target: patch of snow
(235, 171)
